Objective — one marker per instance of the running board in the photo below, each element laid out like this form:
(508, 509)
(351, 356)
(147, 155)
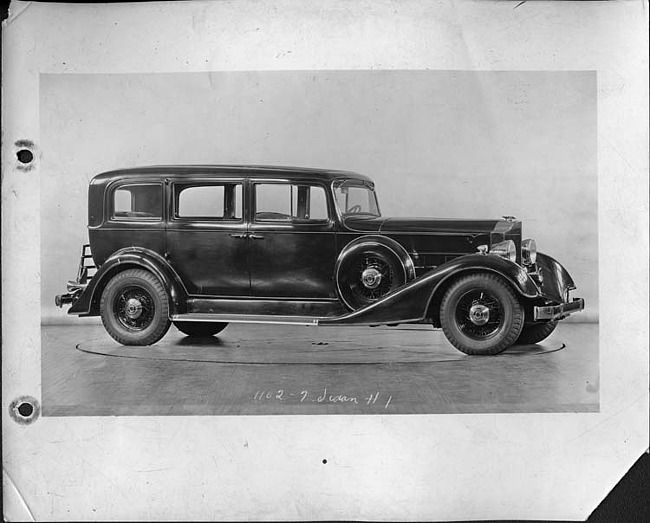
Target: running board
(249, 318)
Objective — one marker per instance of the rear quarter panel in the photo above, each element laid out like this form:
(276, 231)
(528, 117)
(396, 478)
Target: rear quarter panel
(112, 237)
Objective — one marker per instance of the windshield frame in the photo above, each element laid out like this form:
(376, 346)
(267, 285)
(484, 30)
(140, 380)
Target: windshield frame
(353, 182)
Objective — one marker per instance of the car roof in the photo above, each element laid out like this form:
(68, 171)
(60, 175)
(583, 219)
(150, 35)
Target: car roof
(262, 171)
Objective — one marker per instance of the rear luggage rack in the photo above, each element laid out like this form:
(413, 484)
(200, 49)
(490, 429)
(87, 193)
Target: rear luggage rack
(84, 275)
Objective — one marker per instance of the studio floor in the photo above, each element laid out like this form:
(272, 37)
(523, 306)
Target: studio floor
(262, 369)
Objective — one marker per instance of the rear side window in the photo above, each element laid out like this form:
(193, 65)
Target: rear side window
(209, 201)
(137, 201)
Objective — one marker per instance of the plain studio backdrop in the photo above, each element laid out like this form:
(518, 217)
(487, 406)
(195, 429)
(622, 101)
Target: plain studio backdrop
(446, 144)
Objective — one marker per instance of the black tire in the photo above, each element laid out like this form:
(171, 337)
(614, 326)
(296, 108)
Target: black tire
(481, 315)
(385, 272)
(135, 308)
(536, 332)
(200, 329)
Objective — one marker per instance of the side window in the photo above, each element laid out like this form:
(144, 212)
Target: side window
(209, 201)
(137, 201)
(123, 201)
(317, 207)
(295, 202)
(273, 201)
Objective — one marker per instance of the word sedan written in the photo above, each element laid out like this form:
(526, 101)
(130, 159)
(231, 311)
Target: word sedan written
(323, 396)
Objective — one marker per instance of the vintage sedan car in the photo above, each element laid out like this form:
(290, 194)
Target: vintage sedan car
(202, 246)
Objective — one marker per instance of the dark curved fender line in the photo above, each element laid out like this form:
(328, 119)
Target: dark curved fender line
(131, 257)
(374, 240)
(560, 277)
(384, 241)
(410, 302)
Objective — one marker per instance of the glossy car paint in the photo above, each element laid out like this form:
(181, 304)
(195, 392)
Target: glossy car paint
(207, 254)
(266, 307)
(429, 242)
(555, 281)
(271, 268)
(108, 233)
(410, 303)
(131, 257)
(291, 259)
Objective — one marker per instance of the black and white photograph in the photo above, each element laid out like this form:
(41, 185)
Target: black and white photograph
(298, 261)
(363, 279)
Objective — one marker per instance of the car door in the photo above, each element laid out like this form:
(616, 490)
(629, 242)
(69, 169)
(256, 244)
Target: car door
(206, 236)
(292, 244)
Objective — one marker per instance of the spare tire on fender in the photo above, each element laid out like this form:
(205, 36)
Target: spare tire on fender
(369, 269)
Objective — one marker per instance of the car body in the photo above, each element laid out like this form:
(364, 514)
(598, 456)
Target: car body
(202, 246)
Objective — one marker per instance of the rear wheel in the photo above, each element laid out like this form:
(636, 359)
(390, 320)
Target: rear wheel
(135, 308)
(200, 328)
(481, 315)
(536, 332)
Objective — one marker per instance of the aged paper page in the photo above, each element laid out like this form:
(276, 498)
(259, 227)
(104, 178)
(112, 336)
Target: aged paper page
(89, 88)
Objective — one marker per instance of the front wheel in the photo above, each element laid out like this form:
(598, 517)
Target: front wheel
(481, 315)
(135, 308)
(200, 328)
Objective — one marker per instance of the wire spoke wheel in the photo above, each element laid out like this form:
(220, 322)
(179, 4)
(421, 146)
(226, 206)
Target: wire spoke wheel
(373, 278)
(135, 308)
(480, 314)
(367, 274)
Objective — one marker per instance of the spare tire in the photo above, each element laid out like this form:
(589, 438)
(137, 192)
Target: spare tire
(367, 272)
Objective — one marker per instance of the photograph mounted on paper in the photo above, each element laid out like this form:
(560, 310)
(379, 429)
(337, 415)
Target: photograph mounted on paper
(212, 279)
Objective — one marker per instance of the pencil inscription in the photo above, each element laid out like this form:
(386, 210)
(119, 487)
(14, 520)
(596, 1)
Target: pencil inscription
(324, 396)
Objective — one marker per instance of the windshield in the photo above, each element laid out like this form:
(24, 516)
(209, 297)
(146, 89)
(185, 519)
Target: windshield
(355, 197)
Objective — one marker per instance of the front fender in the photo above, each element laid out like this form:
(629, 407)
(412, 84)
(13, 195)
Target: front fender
(131, 258)
(410, 302)
(555, 280)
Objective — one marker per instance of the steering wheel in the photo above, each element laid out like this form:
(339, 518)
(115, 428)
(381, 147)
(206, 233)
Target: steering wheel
(354, 209)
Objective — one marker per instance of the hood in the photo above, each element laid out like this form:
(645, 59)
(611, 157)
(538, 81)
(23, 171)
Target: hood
(433, 241)
(393, 225)
(419, 225)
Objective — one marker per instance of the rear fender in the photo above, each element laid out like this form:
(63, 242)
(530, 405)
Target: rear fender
(410, 303)
(131, 258)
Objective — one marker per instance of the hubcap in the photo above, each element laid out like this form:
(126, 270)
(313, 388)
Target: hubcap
(133, 308)
(368, 280)
(479, 314)
(371, 278)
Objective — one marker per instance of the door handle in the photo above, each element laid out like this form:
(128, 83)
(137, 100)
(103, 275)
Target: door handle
(238, 235)
(256, 236)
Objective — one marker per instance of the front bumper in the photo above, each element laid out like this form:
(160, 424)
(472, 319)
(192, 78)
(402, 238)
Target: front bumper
(557, 312)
